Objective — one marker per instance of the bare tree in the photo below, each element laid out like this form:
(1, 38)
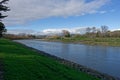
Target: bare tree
(104, 30)
(98, 33)
(88, 30)
(93, 29)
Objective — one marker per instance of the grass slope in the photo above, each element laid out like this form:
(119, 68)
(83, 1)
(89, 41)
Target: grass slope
(21, 63)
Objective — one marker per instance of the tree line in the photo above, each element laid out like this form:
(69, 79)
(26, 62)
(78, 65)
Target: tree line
(90, 32)
(101, 32)
(93, 32)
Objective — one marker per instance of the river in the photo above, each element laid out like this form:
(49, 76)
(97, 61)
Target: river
(101, 58)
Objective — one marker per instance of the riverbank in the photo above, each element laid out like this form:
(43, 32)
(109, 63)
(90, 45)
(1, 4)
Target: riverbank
(89, 41)
(21, 63)
(79, 67)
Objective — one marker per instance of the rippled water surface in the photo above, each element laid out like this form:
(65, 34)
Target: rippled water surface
(103, 59)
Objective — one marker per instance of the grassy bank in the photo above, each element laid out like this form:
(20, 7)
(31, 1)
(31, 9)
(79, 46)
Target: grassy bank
(21, 63)
(90, 41)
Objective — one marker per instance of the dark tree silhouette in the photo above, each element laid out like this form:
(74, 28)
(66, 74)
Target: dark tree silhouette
(3, 8)
(66, 33)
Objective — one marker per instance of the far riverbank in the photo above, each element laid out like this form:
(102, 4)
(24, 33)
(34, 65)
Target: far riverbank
(88, 41)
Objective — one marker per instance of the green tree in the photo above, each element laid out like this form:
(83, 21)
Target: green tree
(66, 33)
(3, 8)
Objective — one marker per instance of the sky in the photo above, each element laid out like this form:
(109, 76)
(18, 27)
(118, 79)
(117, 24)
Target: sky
(43, 16)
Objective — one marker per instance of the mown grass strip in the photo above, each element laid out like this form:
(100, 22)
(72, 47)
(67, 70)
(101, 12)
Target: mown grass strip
(21, 63)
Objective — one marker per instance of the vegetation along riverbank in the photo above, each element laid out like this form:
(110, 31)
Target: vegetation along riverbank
(21, 63)
(88, 41)
(93, 36)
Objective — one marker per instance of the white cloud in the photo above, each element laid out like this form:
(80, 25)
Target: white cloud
(77, 30)
(103, 12)
(23, 11)
(115, 29)
(20, 31)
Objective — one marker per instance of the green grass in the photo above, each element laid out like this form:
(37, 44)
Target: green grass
(21, 63)
(91, 41)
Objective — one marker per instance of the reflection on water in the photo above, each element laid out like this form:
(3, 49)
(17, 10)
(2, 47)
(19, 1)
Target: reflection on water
(103, 59)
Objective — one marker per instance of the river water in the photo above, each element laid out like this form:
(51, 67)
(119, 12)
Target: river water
(101, 58)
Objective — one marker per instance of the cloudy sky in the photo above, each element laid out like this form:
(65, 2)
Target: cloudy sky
(43, 15)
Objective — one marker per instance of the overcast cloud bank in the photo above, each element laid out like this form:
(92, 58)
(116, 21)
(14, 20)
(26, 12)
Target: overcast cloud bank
(23, 11)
